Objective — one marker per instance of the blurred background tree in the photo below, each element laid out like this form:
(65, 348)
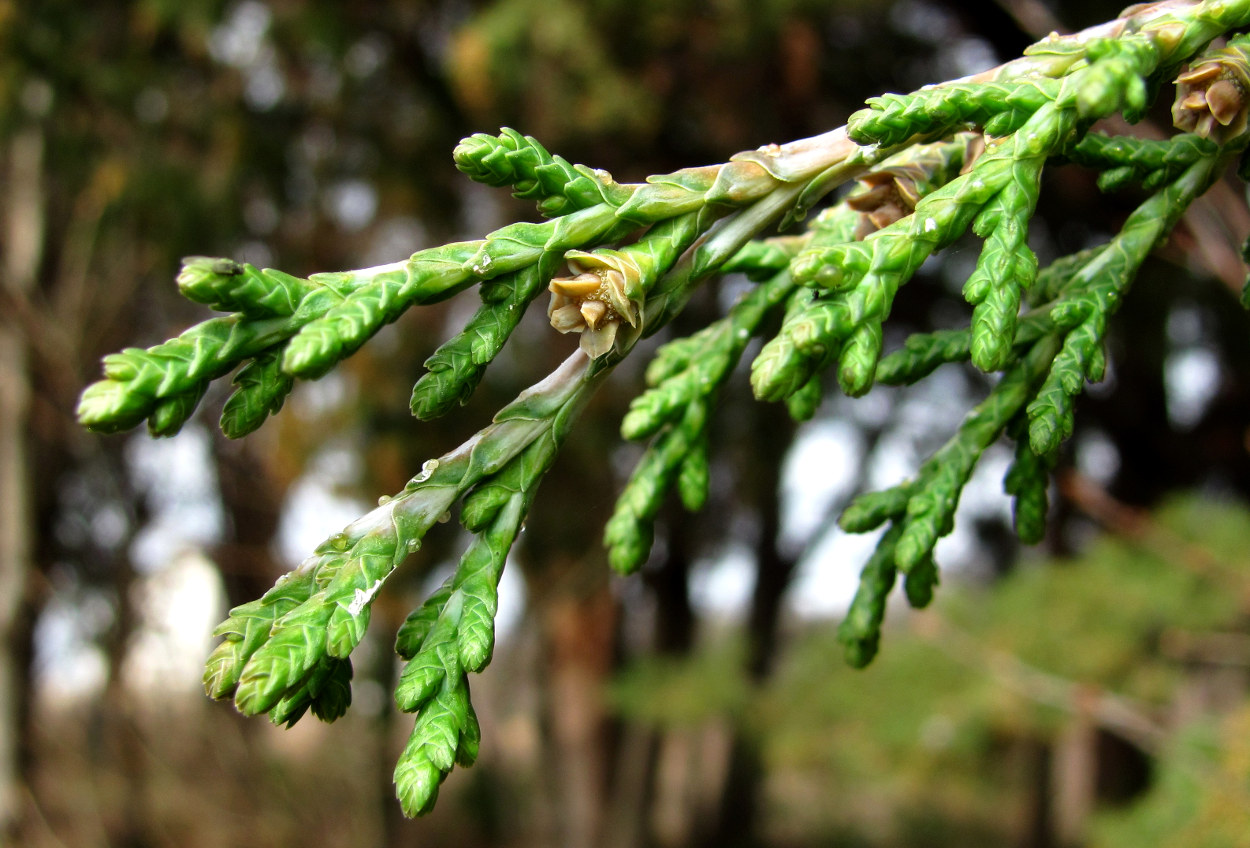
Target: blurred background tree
(316, 136)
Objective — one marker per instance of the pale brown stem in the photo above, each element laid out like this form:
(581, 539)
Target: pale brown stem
(1139, 529)
(1121, 715)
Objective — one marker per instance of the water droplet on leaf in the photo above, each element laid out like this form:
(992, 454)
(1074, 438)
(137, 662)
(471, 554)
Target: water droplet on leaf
(430, 466)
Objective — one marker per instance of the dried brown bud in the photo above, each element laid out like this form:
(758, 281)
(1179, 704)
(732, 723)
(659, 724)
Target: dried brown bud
(889, 195)
(1211, 97)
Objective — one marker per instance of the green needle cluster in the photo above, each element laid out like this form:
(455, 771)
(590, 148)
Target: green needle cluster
(275, 316)
(315, 323)
(289, 650)
(276, 648)
(1000, 107)
(1122, 160)
(1095, 293)
(1006, 268)
(551, 182)
(455, 369)
(859, 278)
(1028, 482)
(260, 389)
(700, 364)
(922, 510)
(631, 529)
(1032, 402)
(796, 355)
(168, 376)
(451, 634)
(860, 630)
(557, 188)
(921, 170)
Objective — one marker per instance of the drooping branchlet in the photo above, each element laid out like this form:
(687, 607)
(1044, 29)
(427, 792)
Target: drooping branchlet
(829, 290)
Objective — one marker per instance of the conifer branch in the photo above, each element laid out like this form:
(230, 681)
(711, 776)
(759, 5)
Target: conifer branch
(924, 169)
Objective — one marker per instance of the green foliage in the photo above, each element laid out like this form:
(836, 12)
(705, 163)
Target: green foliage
(938, 729)
(928, 168)
(1200, 799)
(686, 692)
(1117, 597)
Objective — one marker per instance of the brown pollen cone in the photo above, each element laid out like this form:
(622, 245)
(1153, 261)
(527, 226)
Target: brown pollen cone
(1211, 97)
(593, 301)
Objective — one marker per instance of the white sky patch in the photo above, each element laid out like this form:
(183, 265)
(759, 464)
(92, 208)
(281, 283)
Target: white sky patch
(511, 600)
(923, 20)
(366, 55)
(179, 608)
(1097, 456)
(819, 469)
(255, 252)
(181, 488)
(238, 40)
(1191, 378)
(178, 604)
(68, 664)
(828, 574)
(313, 513)
(261, 214)
(1184, 326)
(893, 461)
(723, 586)
(970, 55)
(481, 210)
(314, 398)
(109, 525)
(242, 42)
(983, 497)
(395, 238)
(934, 407)
(265, 85)
(352, 203)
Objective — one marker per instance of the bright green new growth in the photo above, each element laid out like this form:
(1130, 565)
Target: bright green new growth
(968, 156)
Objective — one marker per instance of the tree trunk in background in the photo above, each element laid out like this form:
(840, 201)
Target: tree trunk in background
(23, 248)
(762, 467)
(14, 566)
(251, 498)
(116, 748)
(581, 637)
(1036, 819)
(1074, 776)
(632, 814)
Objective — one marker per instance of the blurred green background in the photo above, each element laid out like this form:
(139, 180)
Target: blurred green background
(1089, 692)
